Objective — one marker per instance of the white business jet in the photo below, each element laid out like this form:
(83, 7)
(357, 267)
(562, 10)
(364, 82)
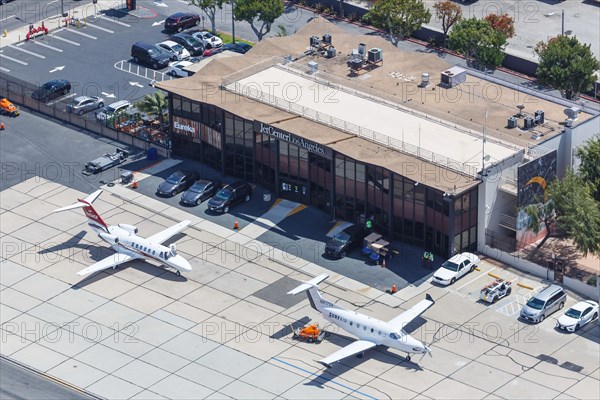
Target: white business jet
(128, 245)
(371, 332)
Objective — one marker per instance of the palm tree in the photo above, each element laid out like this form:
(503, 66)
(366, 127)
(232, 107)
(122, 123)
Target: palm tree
(154, 104)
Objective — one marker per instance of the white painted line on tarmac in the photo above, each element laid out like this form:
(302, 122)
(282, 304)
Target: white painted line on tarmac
(54, 1)
(81, 33)
(474, 279)
(13, 59)
(48, 46)
(61, 99)
(99, 27)
(26, 51)
(4, 69)
(116, 22)
(9, 17)
(66, 40)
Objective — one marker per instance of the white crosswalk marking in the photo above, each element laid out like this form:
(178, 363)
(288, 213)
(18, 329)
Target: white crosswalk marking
(13, 59)
(26, 51)
(49, 47)
(81, 33)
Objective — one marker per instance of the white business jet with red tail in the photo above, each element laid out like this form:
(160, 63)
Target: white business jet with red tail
(127, 244)
(371, 332)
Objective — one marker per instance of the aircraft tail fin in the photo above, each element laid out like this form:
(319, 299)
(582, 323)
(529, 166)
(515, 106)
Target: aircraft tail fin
(312, 292)
(92, 215)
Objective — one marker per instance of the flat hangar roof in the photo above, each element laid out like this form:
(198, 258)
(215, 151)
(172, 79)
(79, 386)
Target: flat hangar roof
(375, 120)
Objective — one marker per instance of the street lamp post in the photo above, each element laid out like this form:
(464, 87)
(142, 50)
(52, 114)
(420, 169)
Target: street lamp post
(233, 21)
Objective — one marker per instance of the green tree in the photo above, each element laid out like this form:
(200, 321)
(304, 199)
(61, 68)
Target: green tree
(567, 65)
(569, 210)
(209, 7)
(154, 104)
(589, 169)
(260, 14)
(503, 23)
(478, 42)
(282, 31)
(399, 18)
(449, 13)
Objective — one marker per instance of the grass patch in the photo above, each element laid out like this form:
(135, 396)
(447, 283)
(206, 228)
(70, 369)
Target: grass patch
(227, 38)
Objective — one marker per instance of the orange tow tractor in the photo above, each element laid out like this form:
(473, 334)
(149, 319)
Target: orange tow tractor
(310, 333)
(8, 108)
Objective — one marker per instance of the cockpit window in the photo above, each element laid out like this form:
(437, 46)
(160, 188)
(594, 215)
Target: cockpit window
(393, 336)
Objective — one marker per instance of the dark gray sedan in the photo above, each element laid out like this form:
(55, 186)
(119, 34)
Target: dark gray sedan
(199, 191)
(177, 182)
(82, 104)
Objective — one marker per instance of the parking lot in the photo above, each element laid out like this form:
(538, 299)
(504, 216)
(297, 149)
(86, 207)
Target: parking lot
(223, 330)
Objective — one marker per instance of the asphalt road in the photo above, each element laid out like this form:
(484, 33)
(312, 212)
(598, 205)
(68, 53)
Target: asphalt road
(19, 383)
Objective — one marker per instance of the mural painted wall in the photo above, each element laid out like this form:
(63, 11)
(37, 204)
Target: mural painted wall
(532, 181)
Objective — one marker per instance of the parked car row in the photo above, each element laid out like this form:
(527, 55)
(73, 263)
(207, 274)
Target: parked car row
(196, 190)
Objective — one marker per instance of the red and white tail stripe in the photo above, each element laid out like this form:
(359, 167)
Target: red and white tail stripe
(92, 215)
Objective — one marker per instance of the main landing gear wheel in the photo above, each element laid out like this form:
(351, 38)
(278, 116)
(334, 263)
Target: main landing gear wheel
(407, 357)
(178, 273)
(360, 355)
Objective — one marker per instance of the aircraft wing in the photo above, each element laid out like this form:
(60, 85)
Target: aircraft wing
(108, 262)
(162, 236)
(407, 316)
(353, 348)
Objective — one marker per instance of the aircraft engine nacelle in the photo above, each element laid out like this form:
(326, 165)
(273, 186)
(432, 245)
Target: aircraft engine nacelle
(129, 228)
(109, 238)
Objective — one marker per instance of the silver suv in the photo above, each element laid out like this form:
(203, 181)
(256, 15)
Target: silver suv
(543, 304)
(112, 110)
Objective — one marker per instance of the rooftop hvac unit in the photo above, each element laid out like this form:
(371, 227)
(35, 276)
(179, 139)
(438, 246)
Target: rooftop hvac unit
(454, 76)
(572, 112)
(327, 38)
(314, 41)
(362, 49)
(331, 52)
(528, 122)
(355, 63)
(424, 79)
(287, 59)
(313, 67)
(539, 117)
(512, 122)
(375, 55)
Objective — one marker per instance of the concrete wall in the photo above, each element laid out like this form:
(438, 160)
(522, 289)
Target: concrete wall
(518, 262)
(590, 292)
(582, 133)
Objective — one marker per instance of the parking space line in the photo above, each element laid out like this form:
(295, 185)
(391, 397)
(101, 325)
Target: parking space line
(9, 17)
(66, 40)
(81, 33)
(99, 27)
(61, 99)
(4, 69)
(48, 46)
(474, 279)
(13, 59)
(26, 51)
(116, 22)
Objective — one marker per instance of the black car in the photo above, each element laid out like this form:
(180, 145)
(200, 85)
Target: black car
(149, 54)
(51, 90)
(177, 182)
(180, 21)
(199, 191)
(230, 195)
(239, 47)
(345, 240)
(194, 46)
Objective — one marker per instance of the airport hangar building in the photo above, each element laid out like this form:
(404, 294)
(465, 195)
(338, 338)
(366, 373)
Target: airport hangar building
(353, 130)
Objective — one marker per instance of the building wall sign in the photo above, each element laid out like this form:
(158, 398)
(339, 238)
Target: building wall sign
(279, 134)
(186, 127)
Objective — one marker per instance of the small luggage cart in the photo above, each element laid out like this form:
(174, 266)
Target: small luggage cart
(311, 333)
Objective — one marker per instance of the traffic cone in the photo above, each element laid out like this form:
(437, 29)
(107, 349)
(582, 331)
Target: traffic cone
(134, 186)
(393, 288)
(1, 126)
(235, 225)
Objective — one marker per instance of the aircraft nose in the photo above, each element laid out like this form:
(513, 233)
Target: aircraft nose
(185, 265)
